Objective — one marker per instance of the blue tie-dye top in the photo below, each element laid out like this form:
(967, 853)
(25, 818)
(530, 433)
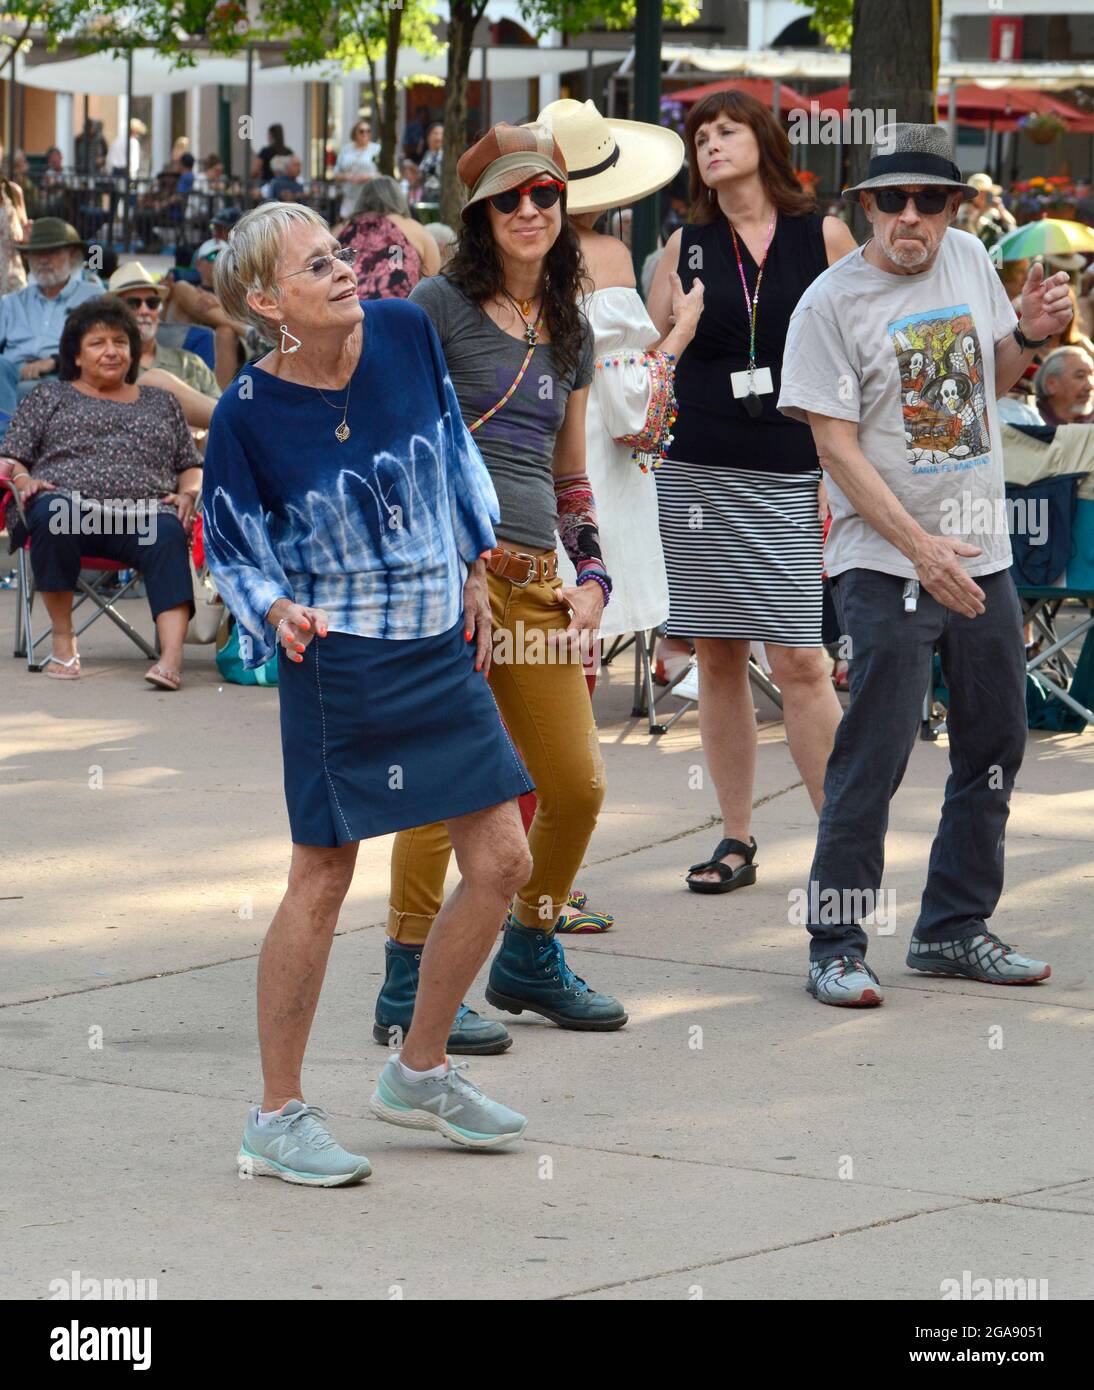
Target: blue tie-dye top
(377, 531)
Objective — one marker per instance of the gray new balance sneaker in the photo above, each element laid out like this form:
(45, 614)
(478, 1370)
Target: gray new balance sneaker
(981, 957)
(450, 1104)
(844, 980)
(297, 1147)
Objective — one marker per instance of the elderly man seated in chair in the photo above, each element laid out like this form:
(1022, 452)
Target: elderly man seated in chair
(105, 467)
(174, 369)
(31, 319)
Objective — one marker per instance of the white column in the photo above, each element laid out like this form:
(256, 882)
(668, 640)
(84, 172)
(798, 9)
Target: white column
(64, 135)
(947, 39)
(161, 131)
(756, 24)
(350, 100)
(549, 81)
(193, 118)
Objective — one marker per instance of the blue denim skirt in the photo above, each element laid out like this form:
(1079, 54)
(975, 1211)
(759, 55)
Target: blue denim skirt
(379, 735)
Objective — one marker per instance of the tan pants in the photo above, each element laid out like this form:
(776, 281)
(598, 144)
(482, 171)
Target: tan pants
(547, 710)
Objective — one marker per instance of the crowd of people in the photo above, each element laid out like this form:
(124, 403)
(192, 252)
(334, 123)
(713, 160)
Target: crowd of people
(166, 205)
(447, 465)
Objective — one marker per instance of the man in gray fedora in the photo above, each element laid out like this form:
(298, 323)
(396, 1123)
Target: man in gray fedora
(895, 357)
(31, 319)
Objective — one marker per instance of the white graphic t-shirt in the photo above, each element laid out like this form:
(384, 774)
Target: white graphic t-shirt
(911, 359)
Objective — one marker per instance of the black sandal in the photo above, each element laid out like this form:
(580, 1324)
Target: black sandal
(740, 877)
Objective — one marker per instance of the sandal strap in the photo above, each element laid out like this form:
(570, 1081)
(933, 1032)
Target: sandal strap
(64, 665)
(727, 847)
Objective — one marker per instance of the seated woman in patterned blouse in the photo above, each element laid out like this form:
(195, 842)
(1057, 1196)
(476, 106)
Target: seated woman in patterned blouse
(105, 467)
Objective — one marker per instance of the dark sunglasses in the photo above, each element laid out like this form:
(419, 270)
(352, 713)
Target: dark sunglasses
(137, 301)
(929, 201)
(544, 195)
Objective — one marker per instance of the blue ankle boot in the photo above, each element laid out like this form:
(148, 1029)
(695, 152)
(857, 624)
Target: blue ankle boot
(471, 1033)
(530, 972)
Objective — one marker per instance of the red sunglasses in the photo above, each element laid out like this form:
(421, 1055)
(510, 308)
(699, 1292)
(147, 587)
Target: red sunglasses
(544, 194)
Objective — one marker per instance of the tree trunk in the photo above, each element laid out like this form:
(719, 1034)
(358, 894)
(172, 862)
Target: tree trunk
(374, 87)
(464, 15)
(887, 76)
(391, 59)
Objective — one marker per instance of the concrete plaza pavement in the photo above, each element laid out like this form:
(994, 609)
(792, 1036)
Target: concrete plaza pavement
(735, 1140)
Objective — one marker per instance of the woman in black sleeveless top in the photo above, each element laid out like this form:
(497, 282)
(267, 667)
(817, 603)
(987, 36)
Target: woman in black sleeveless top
(739, 493)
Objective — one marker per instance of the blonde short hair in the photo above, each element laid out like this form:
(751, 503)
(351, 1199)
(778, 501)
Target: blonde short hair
(251, 254)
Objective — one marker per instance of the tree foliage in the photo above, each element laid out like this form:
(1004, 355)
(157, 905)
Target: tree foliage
(578, 16)
(832, 19)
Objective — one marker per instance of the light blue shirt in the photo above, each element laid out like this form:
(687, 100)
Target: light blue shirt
(31, 324)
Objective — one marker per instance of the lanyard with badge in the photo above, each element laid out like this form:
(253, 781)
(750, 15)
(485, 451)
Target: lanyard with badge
(753, 383)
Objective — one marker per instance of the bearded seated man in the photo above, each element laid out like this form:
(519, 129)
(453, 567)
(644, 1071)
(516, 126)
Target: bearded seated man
(31, 319)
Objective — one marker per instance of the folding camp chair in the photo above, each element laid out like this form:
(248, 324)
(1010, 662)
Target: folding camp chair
(1068, 547)
(91, 591)
(645, 698)
(1040, 607)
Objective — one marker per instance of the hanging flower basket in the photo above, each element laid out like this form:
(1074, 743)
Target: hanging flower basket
(1043, 127)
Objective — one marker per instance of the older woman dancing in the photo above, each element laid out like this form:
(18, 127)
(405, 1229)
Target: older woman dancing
(345, 507)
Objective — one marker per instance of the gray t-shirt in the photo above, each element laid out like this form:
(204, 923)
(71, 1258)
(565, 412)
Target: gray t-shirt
(911, 359)
(518, 443)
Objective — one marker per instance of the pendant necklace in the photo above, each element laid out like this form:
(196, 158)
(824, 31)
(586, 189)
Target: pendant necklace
(341, 433)
(524, 308)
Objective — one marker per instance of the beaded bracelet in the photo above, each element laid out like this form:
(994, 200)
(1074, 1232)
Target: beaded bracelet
(598, 578)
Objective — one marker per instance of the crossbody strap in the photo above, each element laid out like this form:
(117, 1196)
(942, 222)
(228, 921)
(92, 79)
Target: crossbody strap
(519, 378)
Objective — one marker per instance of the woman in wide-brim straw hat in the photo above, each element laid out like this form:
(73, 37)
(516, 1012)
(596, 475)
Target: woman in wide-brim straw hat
(521, 359)
(613, 164)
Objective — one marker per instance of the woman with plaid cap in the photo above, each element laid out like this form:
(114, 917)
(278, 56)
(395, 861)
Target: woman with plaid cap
(520, 355)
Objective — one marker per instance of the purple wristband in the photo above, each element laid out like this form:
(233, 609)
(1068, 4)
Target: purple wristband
(601, 579)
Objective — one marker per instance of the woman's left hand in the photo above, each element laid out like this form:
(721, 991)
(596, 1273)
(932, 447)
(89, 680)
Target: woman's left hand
(822, 502)
(477, 620)
(183, 502)
(586, 605)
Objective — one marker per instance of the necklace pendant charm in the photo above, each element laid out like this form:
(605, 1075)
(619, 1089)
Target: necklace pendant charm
(342, 432)
(531, 334)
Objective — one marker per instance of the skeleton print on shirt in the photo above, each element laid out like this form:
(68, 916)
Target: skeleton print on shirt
(942, 390)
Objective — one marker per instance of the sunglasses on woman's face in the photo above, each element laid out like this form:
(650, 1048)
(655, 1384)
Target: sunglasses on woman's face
(929, 201)
(545, 195)
(140, 301)
(323, 265)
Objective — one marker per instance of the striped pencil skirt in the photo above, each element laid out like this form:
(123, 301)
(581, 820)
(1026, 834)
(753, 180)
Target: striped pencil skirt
(743, 551)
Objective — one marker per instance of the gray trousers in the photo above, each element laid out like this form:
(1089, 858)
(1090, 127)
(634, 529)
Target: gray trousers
(984, 666)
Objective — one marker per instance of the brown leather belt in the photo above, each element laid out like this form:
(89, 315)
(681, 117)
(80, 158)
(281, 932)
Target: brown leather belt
(521, 569)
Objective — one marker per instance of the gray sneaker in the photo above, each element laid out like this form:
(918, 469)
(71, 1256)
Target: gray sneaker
(981, 957)
(450, 1104)
(297, 1147)
(844, 980)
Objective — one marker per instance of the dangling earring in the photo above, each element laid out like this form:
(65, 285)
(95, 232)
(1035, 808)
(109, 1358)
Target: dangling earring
(286, 338)
(710, 195)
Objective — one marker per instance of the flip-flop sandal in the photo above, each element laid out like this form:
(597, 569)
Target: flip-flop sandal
(67, 670)
(577, 920)
(163, 679)
(730, 879)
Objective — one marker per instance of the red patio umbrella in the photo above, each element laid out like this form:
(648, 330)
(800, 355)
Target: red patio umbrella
(759, 87)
